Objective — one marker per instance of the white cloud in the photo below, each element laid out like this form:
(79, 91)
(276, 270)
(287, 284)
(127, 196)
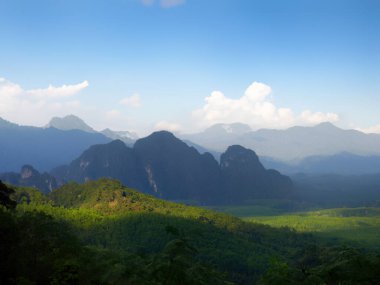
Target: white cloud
(58, 92)
(37, 106)
(131, 101)
(370, 130)
(311, 118)
(254, 108)
(168, 126)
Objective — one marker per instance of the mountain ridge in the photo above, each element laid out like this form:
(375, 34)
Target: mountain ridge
(295, 143)
(166, 167)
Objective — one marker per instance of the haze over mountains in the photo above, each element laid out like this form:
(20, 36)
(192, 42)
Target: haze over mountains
(43, 148)
(323, 148)
(164, 166)
(289, 145)
(72, 122)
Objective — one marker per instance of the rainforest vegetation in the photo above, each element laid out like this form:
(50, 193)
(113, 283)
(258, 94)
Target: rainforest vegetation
(102, 232)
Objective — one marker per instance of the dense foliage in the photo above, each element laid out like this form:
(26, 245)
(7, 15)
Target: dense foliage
(101, 232)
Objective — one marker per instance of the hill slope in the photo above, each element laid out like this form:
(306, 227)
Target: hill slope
(137, 239)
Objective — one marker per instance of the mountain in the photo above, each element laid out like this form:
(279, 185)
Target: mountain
(4, 124)
(342, 163)
(30, 177)
(202, 150)
(127, 137)
(175, 170)
(293, 144)
(219, 136)
(242, 171)
(113, 159)
(69, 122)
(72, 122)
(44, 148)
(166, 167)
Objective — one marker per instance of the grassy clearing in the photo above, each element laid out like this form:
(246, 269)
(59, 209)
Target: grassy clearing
(355, 225)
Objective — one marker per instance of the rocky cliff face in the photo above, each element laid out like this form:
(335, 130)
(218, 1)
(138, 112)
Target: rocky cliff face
(244, 177)
(166, 167)
(30, 177)
(175, 170)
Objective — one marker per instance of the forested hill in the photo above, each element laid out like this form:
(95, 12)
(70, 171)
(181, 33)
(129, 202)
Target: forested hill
(101, 232)
(166, 167)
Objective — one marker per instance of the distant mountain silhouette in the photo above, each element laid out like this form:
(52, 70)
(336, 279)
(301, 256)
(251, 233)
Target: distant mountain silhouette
(293, 144)
(72, 122)
(114, 160)
(29, 176)
(343, 163)
(69, 122)
(175, 170)
(242, 172)
(44, 148)
(127, 137)
(164, 166)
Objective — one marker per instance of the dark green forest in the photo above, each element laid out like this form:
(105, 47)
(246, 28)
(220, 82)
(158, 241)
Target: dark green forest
(102, 232)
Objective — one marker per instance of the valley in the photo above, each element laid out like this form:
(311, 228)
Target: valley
(160, 211)
(185, 142)
(137, 238)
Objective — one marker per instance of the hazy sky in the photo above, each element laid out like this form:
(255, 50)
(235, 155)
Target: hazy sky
(186, 64)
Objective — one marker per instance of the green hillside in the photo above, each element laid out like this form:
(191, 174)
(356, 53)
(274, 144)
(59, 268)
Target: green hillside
(360, 226)
(101, 232)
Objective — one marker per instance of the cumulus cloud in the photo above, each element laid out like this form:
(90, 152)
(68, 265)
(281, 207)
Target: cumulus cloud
(254, 108)
(58, 92)
(311, 118)
(131, 101)
(371, 130)
(167, 126)
(37, 106)
(164, 3)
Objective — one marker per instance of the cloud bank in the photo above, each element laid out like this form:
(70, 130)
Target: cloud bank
(254, 108)
(58, 92)
(371, 130)
(37, 106)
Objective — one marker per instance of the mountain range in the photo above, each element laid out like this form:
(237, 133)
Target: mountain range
(71, 122)
(30, 177)
(291, 145)
(59, 142)
(44, 148)
(166, 167)
(342, 163)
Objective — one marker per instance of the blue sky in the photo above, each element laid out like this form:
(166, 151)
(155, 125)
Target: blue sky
(186, 64)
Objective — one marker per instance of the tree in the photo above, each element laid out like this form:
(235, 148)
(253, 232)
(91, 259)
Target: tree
(5, 194)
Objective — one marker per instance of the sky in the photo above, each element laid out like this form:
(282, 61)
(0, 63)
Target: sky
(184, 65)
